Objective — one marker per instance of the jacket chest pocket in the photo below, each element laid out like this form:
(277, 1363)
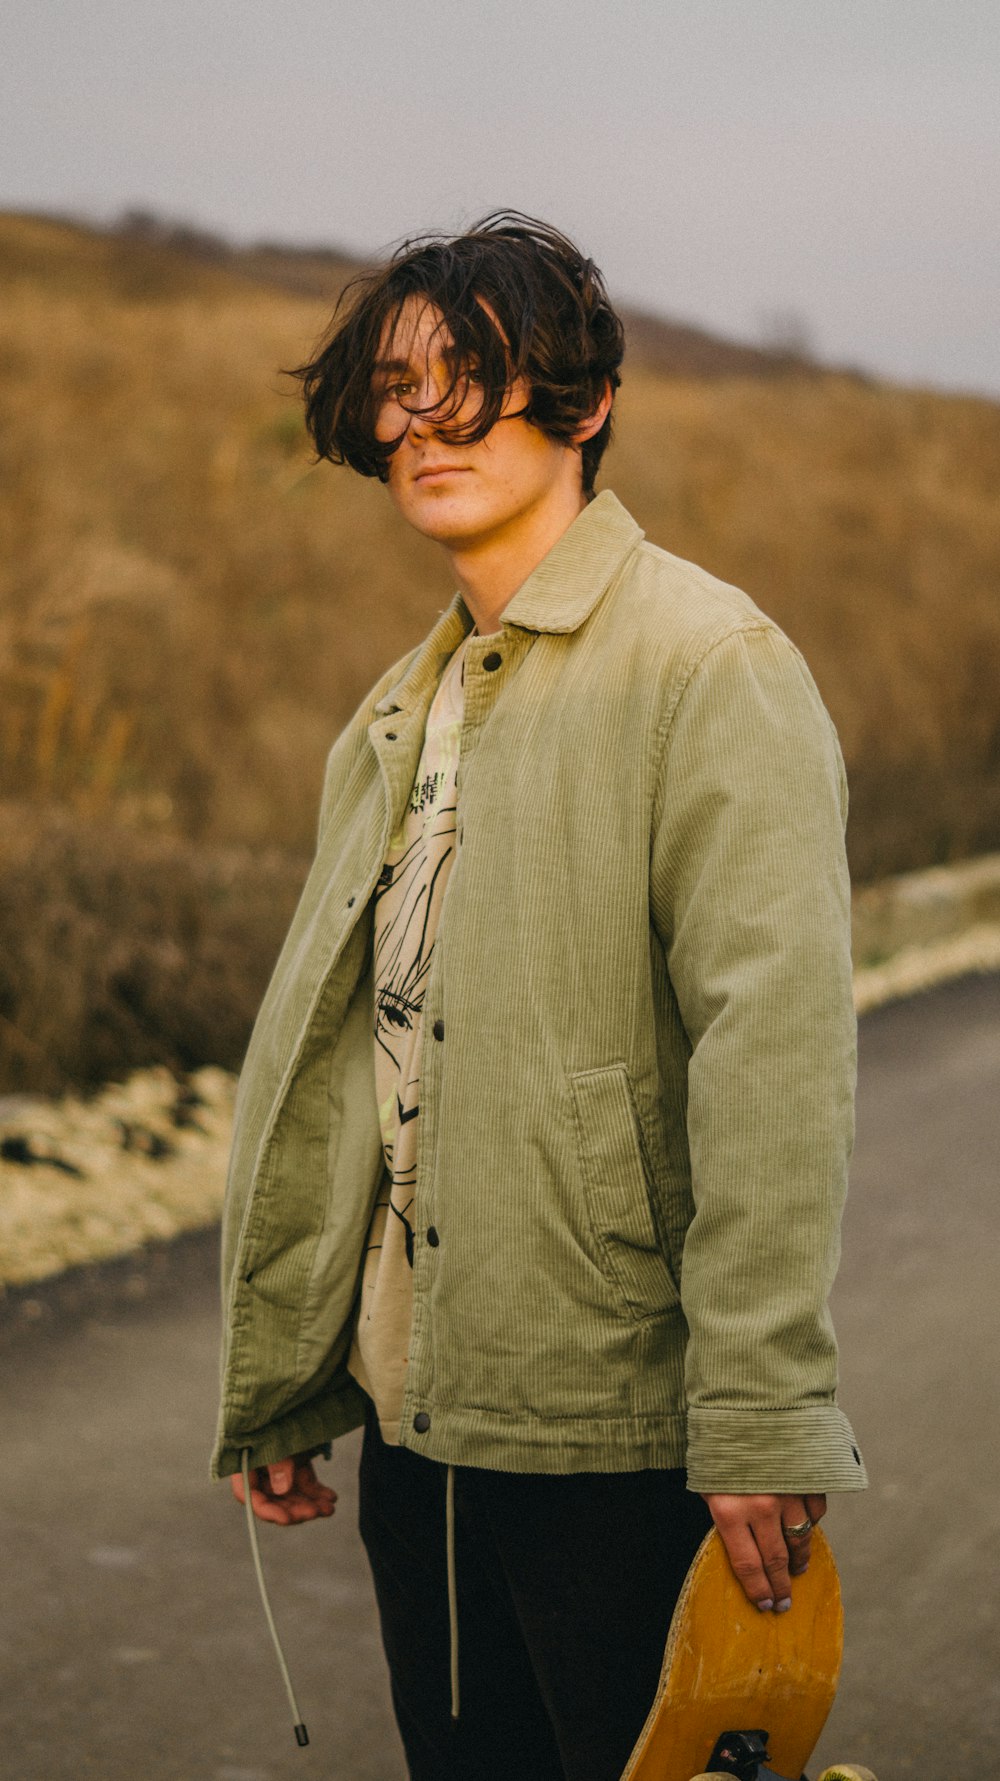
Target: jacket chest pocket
(616, 1189)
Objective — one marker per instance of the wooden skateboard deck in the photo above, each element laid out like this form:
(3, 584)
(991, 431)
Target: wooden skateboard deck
(728, 1667)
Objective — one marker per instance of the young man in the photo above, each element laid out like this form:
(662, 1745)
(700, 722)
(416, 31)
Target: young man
(543, 1133)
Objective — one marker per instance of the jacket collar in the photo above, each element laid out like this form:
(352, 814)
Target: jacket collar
(556, 597)
(569, 581)
(424, 669)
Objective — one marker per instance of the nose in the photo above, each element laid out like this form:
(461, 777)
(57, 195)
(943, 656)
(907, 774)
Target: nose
(420, 426)
(426, 409)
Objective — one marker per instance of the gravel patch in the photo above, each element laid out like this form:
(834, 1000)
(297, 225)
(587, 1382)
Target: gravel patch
(139, 1163)
(914, 968)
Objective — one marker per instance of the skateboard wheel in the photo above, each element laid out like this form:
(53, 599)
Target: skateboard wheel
(847, 1771)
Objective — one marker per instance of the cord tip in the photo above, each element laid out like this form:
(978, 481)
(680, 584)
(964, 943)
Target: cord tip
(301, 1736)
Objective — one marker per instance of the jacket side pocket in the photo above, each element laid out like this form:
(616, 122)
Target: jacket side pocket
(616, 1189)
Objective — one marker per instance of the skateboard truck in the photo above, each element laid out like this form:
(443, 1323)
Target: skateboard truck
(743, 1755)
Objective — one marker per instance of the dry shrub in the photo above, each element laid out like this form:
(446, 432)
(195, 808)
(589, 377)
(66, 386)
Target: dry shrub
(863, 518)
(123, 949)
(188, 610)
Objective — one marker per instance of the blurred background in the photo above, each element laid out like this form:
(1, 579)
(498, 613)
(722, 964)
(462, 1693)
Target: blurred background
(797, 206)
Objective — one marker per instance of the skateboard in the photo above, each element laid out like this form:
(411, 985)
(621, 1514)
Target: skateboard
(742, 1693)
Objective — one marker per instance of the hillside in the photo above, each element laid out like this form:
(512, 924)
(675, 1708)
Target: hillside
(189, 608)
(156, 250)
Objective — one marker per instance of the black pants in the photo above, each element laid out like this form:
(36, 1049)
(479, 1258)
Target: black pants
(566, 1586)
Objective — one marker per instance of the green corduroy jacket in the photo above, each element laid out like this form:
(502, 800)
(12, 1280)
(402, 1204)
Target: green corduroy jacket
(639, 1056)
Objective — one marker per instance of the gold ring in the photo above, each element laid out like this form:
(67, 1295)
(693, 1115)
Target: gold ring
(799, 1531)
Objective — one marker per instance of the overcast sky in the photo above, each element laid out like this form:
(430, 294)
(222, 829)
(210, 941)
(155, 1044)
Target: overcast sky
(836, 162)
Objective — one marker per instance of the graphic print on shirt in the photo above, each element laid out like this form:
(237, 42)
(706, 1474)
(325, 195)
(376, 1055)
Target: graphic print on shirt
(404, 945)
(408, 902)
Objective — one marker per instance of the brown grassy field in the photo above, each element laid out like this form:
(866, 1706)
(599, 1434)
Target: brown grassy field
(189, 609)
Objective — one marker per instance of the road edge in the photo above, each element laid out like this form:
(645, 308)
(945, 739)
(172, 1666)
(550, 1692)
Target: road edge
(137, 1277)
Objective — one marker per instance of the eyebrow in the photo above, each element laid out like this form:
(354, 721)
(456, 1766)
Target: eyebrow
(389, 367)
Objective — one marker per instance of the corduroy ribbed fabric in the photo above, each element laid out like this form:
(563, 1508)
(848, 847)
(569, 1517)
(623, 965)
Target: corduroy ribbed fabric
(637, 1084)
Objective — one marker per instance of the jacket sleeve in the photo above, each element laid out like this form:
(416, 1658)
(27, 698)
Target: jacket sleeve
(751, 900)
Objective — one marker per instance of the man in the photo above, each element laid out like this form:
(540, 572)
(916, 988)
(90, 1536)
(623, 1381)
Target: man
(543, 1132)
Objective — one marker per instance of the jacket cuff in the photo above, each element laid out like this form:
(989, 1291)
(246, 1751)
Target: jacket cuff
(782, 1451)
(309, 1429)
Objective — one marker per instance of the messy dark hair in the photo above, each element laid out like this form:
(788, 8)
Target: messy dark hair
(554, 327)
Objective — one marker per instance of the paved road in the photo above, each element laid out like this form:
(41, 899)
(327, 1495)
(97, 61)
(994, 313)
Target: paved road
(131, 1645)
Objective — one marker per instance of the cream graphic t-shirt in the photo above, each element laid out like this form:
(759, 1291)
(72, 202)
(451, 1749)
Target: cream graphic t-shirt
(408, 904)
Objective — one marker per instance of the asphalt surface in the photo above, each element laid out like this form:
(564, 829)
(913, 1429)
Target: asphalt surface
(131, 1643)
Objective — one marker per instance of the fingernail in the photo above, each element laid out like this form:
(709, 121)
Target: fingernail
(783, 1606)
(764, 1606)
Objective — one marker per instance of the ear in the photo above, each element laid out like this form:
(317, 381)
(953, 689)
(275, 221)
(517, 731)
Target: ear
(594, 422)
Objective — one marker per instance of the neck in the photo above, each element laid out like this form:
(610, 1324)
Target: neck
(490, 569)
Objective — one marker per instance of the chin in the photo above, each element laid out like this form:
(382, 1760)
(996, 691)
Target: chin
(451, 519)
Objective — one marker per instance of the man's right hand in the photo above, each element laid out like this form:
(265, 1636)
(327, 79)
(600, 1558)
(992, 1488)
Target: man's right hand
(286, 1492)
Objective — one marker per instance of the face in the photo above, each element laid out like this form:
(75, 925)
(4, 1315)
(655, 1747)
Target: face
(459, 494)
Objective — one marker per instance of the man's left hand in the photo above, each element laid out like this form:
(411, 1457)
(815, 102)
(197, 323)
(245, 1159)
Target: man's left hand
(763, 1554)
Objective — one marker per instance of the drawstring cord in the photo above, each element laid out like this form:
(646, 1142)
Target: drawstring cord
(301, 1735)
(449, 1520)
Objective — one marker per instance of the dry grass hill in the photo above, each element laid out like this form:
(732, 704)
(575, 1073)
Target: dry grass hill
(190, 609)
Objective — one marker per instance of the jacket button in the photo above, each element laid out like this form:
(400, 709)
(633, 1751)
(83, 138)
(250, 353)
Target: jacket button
(432, 1236)
(492, 661)
(390, 735)
(421, 1422)
(350, 902)
(438, 1029)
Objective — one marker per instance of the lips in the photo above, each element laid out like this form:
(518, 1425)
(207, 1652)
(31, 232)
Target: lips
(430, 470)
